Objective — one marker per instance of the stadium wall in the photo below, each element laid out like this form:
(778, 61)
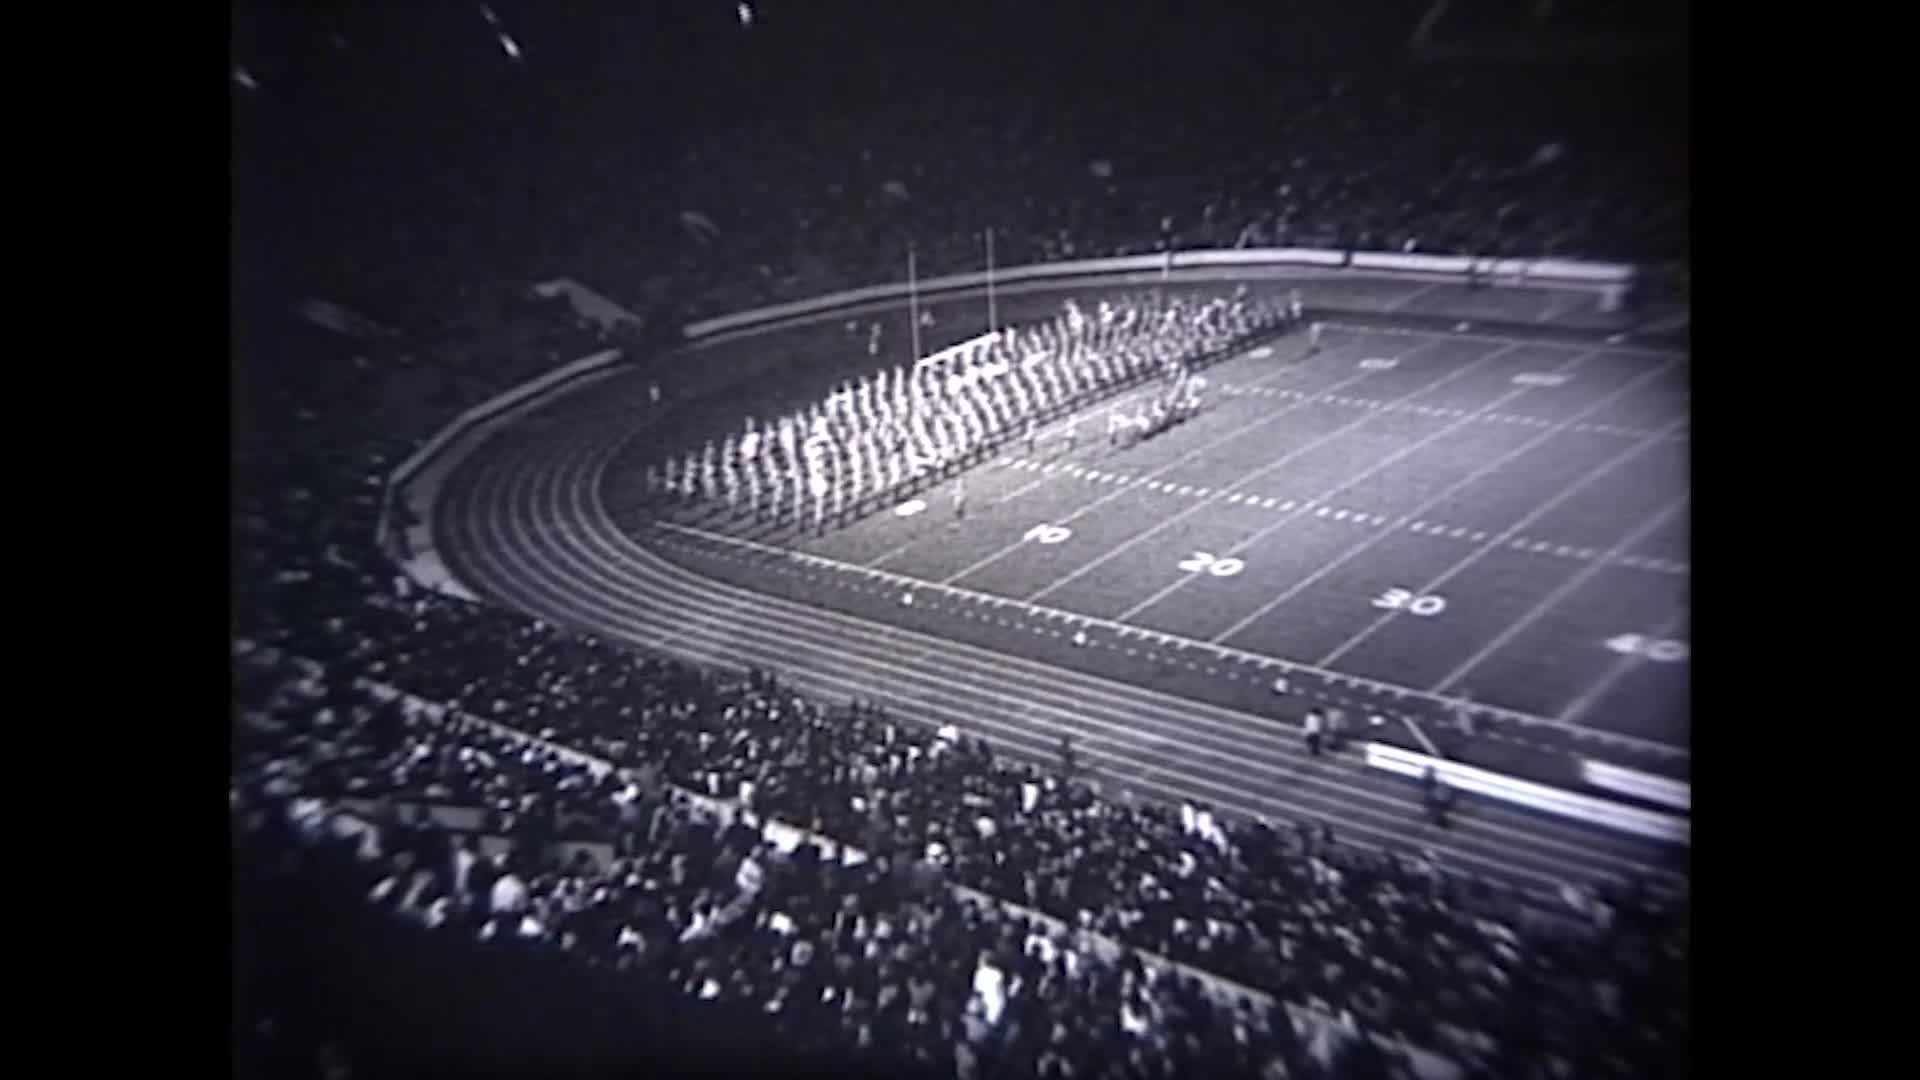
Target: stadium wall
(1607, 282)
(415, 482)
(1540, 797)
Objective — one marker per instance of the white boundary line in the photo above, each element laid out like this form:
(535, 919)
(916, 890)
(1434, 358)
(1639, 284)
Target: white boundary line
(1245, 478)
(1565, 589)
(1221, 652)
(608, 557)
(1416, 294)
(1481, 335)
(1150, 477)
(1318, 501)
(1414, 515)
(1570, 714)
(1565, 493)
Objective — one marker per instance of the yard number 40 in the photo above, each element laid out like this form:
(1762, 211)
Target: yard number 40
(1661, 649)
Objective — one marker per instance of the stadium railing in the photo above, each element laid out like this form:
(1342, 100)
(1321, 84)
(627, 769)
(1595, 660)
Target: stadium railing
(1647, 787)
(1540, 797)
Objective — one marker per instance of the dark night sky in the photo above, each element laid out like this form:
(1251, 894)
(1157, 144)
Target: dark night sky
(359, 100)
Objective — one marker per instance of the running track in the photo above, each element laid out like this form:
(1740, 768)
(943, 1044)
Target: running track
(520, 522)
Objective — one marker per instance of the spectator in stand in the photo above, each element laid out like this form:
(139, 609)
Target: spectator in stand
(1437, 796)
(509, 893)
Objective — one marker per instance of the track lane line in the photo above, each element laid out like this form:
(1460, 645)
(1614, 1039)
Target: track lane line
(734, 638)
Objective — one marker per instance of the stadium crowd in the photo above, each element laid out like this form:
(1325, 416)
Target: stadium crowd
(1391, 943)
(656, 892)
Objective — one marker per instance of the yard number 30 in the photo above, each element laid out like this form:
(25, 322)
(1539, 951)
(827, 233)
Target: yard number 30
(1402, 600)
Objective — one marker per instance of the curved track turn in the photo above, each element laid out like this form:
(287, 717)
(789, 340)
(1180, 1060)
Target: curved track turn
(521, 523)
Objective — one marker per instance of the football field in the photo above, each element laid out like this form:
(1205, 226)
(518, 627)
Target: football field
(1428, 515)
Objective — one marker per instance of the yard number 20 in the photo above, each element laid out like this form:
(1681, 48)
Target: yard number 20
(1203, 563)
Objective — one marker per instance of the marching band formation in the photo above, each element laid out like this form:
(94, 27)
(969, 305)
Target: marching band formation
(873, 437)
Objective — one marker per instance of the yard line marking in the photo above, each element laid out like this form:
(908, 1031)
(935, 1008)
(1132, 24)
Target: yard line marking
(1579, 705)
(1551, 309)
(1197, 451)
(1414, 295)
(1374, 467)
(1351, 552)
(1630, 348)
(1161, 699)
(1547, 602)
(1531, 516)
(1501, 418)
